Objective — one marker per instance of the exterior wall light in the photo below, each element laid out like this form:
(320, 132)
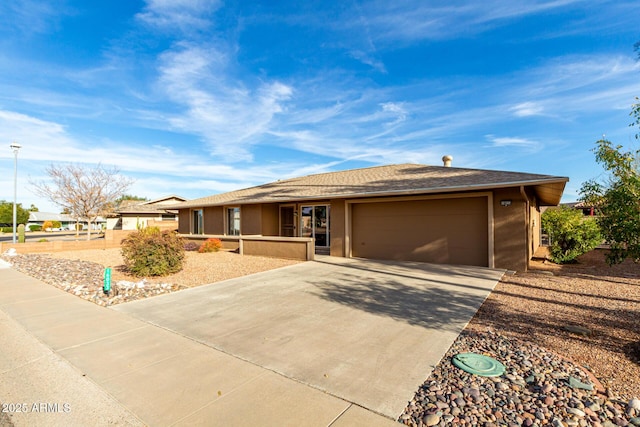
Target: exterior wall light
(505, 203)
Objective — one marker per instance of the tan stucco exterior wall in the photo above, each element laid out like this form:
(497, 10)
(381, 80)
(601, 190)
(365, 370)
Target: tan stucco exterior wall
(184, 222)
(213, 219)
(337, 227)
(251, 219)
(510, 230)
(270, 220)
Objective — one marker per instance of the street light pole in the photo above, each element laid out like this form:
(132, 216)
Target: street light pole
(15, 147)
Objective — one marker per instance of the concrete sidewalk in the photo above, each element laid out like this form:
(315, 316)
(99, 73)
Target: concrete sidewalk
(66, 362)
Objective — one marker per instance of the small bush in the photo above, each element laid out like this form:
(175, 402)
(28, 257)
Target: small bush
(47, 225)
(150, 252)
(35, 227)
(571, 234)
(42, 241)
(210, 245)
(191, 246)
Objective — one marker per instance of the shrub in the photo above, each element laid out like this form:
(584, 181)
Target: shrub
(150, 252)
(35, 227)
(47, 225)
(571, 234)
(42, 241)
(191, 246)
(210, 245)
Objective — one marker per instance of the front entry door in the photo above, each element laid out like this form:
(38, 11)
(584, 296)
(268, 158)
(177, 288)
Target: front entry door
(314, 222)
(287, 221)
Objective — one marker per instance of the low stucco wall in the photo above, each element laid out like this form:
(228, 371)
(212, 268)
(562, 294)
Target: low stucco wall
(58, 246)
(163, 225)
(300, 248)
(230, 243)
(111, 239)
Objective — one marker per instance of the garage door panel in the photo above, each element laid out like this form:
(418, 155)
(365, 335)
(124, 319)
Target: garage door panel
(446, 231)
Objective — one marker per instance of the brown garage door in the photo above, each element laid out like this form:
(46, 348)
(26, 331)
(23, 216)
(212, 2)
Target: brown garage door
(443, 231)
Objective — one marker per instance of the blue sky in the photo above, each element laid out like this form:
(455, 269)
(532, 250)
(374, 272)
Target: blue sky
(196, 97)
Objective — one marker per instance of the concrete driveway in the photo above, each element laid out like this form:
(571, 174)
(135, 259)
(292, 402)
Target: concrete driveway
(369, 332)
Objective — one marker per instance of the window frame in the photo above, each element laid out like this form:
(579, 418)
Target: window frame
(197, 224)
(231, 221)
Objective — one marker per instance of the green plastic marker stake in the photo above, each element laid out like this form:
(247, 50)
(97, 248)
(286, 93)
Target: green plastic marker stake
(106, 288)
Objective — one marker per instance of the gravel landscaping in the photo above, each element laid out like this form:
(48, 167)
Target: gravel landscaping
(546, 326)
(551, 323)
(539, 388)
(588, 312)
(82, 272)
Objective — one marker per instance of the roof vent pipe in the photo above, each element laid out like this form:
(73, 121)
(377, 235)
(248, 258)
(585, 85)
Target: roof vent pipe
(447, 160)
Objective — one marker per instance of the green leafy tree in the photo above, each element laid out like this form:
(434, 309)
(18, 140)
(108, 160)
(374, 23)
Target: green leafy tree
(617, 201)
(571, 234)
(6, 213)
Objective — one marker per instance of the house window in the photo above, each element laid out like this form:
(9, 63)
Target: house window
(196, 223)
(233, 221)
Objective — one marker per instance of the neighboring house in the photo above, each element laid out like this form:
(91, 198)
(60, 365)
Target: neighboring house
(67, 221)
(587, 210)
(133, 214)
(399, 212)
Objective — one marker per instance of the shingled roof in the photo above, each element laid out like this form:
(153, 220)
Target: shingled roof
(402, 179)
(158, 206)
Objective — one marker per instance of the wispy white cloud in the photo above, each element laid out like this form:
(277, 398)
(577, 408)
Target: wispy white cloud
(506, 141)
(394, 123)
(183, 15)
(572, 86)
(418, 20)
(397, 110)
(226, 113)
(526, 109)
(32, 16)
(37, 136)
(340, 119)
(51, 142)
(369, 59)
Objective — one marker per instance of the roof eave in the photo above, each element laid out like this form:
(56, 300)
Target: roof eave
(547, 198)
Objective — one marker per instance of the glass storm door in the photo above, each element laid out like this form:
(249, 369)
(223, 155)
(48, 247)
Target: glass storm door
(314, 222)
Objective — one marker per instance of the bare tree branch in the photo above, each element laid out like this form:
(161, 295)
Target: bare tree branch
(85, 192)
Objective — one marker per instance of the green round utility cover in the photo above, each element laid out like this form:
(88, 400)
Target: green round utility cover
(478, 364)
